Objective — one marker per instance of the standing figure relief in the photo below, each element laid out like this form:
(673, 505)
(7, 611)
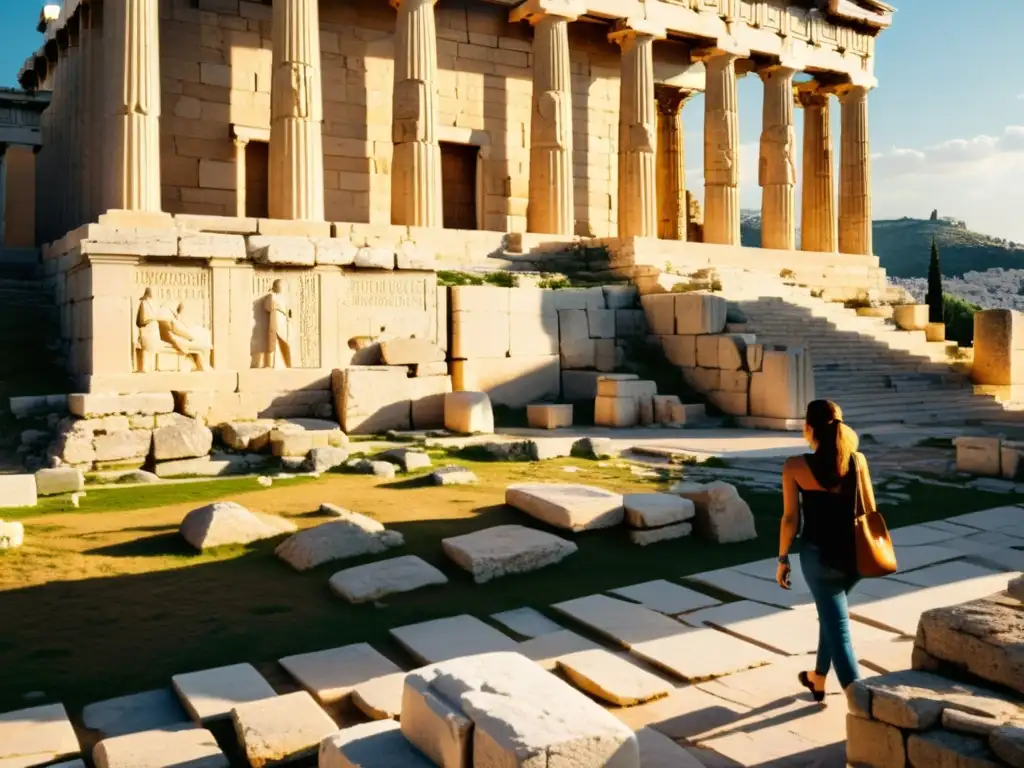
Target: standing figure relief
(410, 112)
(549, 113)
(777, 164)
(279, 318)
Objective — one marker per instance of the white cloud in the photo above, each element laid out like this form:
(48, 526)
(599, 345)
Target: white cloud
(956, 156)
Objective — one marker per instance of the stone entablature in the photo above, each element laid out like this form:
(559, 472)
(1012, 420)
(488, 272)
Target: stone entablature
(20, 117)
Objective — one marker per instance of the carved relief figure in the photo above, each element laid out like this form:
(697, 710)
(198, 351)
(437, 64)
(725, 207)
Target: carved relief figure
(162, 330)
(279, 316)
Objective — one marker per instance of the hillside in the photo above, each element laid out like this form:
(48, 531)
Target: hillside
(903, 246)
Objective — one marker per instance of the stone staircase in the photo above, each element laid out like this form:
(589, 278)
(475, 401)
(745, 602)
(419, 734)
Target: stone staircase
(877, 373)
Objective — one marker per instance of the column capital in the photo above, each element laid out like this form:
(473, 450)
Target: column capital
(241, 142)
(810, 94)
(723, 48)
(396, 4)
(670, 99)
(776, 69)
(629, 29)
(535, 10)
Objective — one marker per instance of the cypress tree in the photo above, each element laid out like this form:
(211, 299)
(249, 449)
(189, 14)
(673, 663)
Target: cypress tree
(934, 297)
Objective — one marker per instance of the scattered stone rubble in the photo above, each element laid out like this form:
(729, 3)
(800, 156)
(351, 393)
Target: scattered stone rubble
(962, 702)
(657, 517)
(505, 549)
(225, 522)
(350, 535)
(722, 516)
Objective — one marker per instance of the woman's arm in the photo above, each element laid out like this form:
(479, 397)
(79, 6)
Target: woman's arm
(790, 507)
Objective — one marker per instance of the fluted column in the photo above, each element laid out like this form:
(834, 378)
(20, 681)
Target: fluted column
(240, 145)
(673, 218)
(132, 41)
(44, 209)
(855, 173)
(552, 208)
(638, 193)
(777, 164)
(721, 149)
(817, 217)
(55, 196)
(296, 155)
(416, 165)
(75, 177)
(88, 46)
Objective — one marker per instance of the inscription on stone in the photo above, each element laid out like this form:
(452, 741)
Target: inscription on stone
(387, 307)
(302, 292)
(174, 285)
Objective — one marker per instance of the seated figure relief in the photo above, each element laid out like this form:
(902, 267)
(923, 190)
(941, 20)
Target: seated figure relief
(162, 330)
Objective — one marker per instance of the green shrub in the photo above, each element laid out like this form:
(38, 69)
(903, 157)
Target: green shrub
(958, 315)
(502, 279)
(451, 277)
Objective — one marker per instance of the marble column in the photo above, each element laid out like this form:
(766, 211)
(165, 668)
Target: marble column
(673, 212)
(777, 163)
(240, 145)
(638, 194)
(132, 40)
(44, 211)
(721, 150)
(57, 164)
(855, 173)
(817, 218)
(296, 155)
(88, 46)
(552, 207)
(416, 164)
(72, 191)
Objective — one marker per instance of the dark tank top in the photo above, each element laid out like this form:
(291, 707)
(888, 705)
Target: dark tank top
(827, 516)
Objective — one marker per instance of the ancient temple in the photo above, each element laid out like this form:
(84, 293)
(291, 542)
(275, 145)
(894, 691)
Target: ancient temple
(246, 185)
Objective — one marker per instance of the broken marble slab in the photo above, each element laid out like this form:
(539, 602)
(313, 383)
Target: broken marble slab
(281, 729)
(747, 587)
(526, 622)
(211, 694)
(546, 650)
(381, 697)
(901, 613)
(506, 549)
(147, 711)
(665, 597)
(612, 678)
(435, 641)
(333, 674)
(189, 748)
(567, 506)
(364, 583)
(378, 744)
(36, 736)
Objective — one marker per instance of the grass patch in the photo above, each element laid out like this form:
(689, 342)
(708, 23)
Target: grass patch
(109, 600)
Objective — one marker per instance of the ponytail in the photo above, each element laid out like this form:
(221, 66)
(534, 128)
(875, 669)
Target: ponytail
(836, 442)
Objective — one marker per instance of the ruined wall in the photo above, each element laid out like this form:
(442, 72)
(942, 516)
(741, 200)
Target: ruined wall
(215, 72)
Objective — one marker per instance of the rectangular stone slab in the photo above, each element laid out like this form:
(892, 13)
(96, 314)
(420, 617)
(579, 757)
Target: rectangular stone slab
(371, 745)
(373, 581)
(612, 678)
(192, 748)
(211, 694)
(281, 729)
(37, 736)
(911, 558)
(701, 654)
(659, 751)
(625, 623)
(526, 622)
(751, 588)
(148, 711)
(546, 650)
(442, 639)
(901, 613)
(331, 675)
(665, 597)
(886, 656)
(918, 535)
(521, 715)
(567, 506)
(790, 632)
(990, 519)
(766, 569)
(505, 549)
(381, 697)
(945, 573)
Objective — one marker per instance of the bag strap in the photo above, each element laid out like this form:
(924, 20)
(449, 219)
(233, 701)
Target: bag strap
(859, 505)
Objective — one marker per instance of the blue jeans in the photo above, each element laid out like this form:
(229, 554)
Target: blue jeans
(830, 588)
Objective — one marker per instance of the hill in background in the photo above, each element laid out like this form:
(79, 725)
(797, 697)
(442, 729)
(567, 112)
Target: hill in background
(903, 246)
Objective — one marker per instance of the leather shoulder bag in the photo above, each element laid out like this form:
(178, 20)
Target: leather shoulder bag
(876, 556)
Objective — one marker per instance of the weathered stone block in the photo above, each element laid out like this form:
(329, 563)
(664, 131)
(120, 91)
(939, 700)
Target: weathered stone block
(754, 357)
(372, 581)
(282, 250)
(680, 350)
(911, 317)
(375, 257)
(707, 351)
(410, 352)
(612, 411)
(606, 355)
(784, 386)
(206, 245)
(998, 347)
(601, 323)
(505, 549)
(580, 385)
(427, 396)
(468, 413)
(732, 350)
(12, 534)
(184, 439)
(686, 413)
(630, 323)
(93, 405)
(158, 749)
(225, 522)
(281, 728)
(371, 745)
(625, 385)
(700, 313)
(334, 251)
(50, 482)
(663, 407)
(702, 380)
(351, 535)
(571, 507)
(549, 415)
(942, 748)
(513, 381)
(869, 742)
(480, 298)
(653, 510)
(576, 347)
(660, 313)
(372, 400)
(730, 403)
(644, 536)
(721, 515)
(935, 332)
(532, 334)
(123, 446)
(979, 455)
(480, 334)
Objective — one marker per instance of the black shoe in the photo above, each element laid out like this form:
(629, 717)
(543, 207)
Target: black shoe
(805, 681)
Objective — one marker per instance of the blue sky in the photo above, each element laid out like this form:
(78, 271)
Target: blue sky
(947, 120)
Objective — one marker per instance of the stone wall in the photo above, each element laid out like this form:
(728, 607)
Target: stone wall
(215, 73)
(18, 198)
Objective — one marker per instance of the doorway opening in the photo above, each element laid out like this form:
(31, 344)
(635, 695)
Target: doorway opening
(459, 185)
(257, 170)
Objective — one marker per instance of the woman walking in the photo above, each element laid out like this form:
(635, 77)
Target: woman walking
(820, 489)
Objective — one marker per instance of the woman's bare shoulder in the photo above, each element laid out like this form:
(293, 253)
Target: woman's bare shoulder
(795, 464)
